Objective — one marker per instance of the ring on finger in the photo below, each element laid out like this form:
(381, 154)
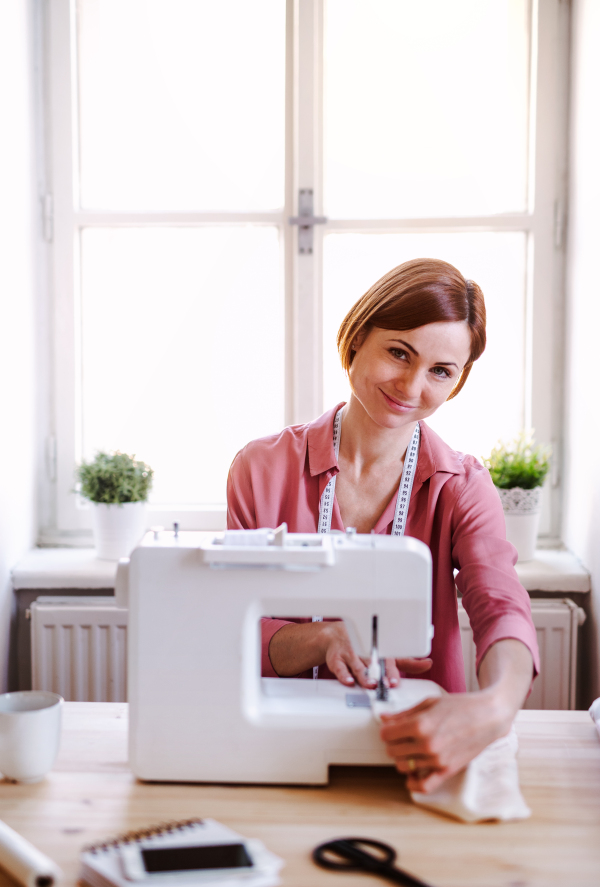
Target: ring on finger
(411, 765)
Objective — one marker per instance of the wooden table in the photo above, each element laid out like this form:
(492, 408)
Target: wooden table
(91, 794)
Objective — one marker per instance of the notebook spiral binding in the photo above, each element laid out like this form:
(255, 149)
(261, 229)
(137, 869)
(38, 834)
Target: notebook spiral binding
(141, 834)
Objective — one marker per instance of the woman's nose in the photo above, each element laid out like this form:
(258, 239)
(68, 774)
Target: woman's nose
(409, 383)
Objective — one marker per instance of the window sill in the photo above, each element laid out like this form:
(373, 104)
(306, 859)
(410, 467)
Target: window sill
(52, 568)
(553, 570)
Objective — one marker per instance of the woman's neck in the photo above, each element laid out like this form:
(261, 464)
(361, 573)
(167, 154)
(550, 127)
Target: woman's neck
(364, 443)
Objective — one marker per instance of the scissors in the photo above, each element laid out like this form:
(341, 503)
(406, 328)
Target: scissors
(347, 855)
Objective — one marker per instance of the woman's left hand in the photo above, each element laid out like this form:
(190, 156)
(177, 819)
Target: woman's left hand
(414, 667)
(438, 737)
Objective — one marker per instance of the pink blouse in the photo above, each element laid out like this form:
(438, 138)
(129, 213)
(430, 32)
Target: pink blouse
(454, 509)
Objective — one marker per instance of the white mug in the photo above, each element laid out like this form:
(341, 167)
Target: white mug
(30, 722)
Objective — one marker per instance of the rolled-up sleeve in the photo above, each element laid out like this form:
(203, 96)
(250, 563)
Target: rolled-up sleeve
(269, 627)
(497, 604)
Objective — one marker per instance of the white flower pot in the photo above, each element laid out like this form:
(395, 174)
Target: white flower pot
(117, 528)
(522, 517)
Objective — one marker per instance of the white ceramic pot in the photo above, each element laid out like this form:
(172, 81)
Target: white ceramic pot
(117, 528)
(522, 517)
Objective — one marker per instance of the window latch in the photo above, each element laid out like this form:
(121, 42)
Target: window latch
(306, 221)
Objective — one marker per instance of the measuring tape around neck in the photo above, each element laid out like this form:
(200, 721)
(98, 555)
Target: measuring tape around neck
(404, 490)
(402, 501)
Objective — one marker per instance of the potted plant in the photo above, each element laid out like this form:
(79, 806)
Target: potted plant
(518, 470)
(117, 487)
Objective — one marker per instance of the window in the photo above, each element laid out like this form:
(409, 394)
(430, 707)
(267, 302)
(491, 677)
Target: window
(187, 322)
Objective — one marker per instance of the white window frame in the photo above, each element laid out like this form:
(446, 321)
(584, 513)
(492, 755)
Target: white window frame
(543, 223)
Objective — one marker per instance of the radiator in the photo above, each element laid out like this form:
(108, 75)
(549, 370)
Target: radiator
(556, 624)
(79, 648)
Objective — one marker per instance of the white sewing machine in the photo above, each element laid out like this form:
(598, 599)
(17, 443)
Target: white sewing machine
(199, 709)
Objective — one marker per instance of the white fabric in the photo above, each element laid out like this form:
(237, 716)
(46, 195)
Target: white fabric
(488, 788)
(594, 710)
(23, 861)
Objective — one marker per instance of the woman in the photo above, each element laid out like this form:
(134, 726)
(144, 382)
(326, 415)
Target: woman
(407, 345)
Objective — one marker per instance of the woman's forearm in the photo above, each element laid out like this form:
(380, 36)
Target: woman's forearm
(505, 676)
(297, 647)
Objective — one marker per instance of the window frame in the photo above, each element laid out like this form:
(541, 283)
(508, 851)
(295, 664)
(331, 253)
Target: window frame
(543, 222)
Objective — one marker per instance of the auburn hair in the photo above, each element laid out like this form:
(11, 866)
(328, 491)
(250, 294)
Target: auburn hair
(416, 293)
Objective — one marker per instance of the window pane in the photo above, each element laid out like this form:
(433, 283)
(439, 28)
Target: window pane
(491, 405)
(182, 350)
(425, 107)
(181, 104)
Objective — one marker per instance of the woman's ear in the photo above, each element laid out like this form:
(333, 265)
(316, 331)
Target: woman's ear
(359, 339)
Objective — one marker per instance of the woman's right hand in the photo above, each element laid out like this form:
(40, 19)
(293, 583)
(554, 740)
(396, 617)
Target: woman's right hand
(298, 647)
(349, 668)
(341, 659)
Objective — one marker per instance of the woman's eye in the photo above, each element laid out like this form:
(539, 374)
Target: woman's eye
(398, 352)
(442, 372)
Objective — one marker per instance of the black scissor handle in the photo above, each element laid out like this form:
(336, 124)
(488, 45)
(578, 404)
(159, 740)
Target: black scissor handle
(350, 856)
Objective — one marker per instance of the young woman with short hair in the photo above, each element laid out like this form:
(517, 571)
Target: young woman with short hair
(408, 345)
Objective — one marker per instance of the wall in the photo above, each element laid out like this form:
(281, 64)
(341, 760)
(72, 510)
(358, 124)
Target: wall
(581, 530)
(19, 270)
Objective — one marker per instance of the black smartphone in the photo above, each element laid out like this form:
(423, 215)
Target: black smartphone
(140, 862)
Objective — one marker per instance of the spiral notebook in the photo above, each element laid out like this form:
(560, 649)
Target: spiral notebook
(108, 863)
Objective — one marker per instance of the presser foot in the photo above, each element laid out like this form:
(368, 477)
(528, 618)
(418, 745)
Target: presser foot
(382, 693)
(410, 692)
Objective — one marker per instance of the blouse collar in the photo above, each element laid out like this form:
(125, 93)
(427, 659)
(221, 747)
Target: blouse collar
(434, 454)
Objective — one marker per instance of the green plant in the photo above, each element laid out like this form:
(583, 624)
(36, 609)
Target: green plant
(519, 463)
(114, 478)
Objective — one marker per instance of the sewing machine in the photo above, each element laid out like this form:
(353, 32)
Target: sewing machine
(200, 710)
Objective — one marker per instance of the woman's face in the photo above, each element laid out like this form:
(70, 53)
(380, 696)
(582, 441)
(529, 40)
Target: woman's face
(402, 376)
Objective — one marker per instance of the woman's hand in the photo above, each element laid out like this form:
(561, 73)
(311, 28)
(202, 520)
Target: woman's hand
(343, 662)
(298, 647)
(437, 738)
(415, 667)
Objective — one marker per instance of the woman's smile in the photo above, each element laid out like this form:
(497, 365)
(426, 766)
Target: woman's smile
(405, 375)
(396, 404)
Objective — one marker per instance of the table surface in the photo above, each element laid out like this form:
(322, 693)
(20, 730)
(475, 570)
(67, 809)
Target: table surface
(91, 794)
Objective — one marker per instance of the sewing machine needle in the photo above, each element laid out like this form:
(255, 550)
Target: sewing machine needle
(374, 670)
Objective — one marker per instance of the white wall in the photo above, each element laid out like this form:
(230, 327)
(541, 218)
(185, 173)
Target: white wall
(582, 504)
(19, 270)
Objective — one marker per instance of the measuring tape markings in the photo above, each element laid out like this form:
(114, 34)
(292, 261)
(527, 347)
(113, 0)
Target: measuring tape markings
(404, 490)
(402, 500)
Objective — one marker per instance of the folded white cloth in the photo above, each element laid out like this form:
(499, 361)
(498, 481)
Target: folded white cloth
(488, 788)
(594, 710)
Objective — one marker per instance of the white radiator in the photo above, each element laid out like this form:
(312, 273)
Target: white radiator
(556, 623)
(79, 648)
